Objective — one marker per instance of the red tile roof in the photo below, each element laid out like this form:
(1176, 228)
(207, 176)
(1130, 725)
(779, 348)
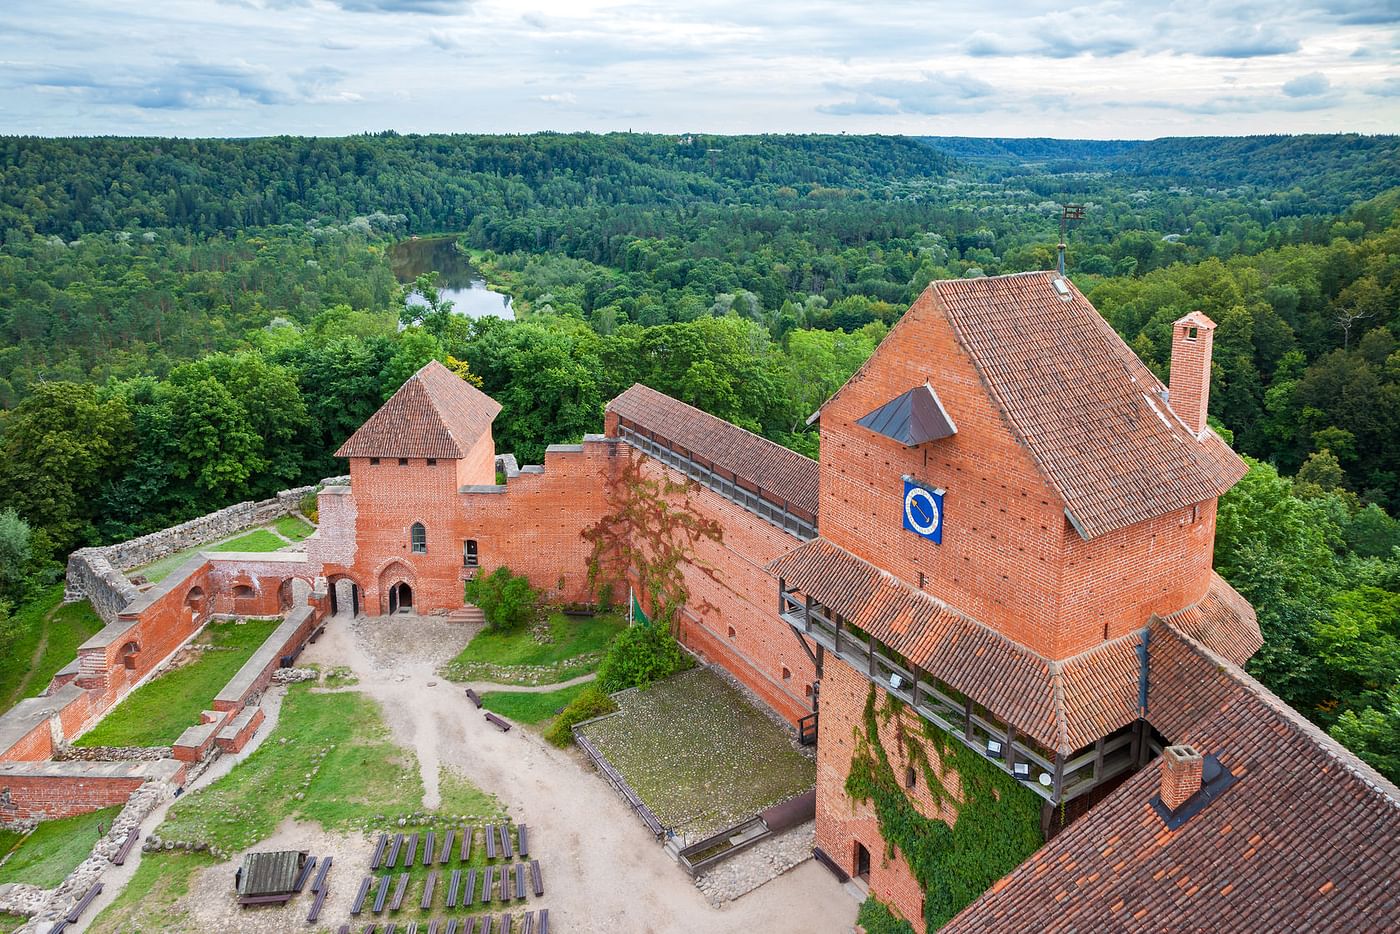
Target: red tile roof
(1308, 839)
(1063, 705)
(1223, 622)
(434, 414)
(1080, 401)
(771, 467)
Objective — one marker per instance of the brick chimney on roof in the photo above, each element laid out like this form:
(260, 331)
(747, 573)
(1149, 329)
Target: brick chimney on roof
(1181, 775)
(1188, 393)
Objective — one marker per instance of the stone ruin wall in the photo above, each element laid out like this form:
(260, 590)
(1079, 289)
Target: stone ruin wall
(97, 574)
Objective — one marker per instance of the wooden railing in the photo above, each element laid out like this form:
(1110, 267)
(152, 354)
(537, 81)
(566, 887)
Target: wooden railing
(1054, 777)
(614, 777)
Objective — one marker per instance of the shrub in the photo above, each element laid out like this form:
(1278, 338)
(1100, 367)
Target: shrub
(876, 918)
(309, 507)
(507, 601)
(640, 655)
(591, 703)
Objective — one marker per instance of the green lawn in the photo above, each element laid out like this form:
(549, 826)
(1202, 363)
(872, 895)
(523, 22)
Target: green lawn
(699, 753)
(256, 540)
(529, 708)
(518, 658)
(147, 905)
(160, 710)
(357, 773)
(43, 646)
(55, 848)
(294, 527)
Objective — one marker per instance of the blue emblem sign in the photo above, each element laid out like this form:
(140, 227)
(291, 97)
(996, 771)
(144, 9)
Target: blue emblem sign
(923, 511)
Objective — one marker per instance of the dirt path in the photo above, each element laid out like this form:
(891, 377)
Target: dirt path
(604, 870)
(43, 644)
(480, 686)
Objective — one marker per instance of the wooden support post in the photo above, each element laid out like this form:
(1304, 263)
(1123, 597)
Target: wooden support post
(1059, 775)
(870, 647)
(836, 641)
(1098, 761)
(821, 658)
(1010, 748)
(807, 614)
(914, 687)
(782, 596)
(967, 719)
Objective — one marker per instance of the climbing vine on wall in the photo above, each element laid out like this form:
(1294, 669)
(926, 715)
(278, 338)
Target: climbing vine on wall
(997, 823)
(651, 529)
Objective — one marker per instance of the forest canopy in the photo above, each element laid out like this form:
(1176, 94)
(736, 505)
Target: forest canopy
(189, 323)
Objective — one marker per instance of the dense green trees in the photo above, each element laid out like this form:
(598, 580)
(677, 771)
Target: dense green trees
(184, 324)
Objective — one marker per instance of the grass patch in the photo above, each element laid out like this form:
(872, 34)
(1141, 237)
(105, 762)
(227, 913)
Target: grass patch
(66, 628)
(461, 797)
(147, 904)
(11, 923)
(576, 648)
(160, 710)
(699, 754)
(357, 773)
(524, 707)
(256, 540)
(294, 527)
(55, 848)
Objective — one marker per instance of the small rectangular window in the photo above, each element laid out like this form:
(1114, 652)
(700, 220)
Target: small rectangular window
(432, 462)
(403, 461)
(910, 778)
(374, 462)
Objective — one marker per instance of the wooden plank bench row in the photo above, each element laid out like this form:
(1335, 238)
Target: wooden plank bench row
(306, 869)
(125, 849)
(379, 846)
(532, 922)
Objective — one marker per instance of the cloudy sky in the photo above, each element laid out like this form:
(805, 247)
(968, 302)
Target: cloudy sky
(987, 68)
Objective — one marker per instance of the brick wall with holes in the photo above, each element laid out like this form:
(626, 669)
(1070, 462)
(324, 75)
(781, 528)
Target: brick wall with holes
(843, 824)
(532, 524)
(52, 797)
(1008, 558)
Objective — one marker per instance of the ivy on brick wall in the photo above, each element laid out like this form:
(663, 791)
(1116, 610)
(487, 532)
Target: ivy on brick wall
(997, 823)
(877, 918)
(652, 533)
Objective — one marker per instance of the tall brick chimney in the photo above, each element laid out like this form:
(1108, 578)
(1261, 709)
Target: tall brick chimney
(1189, 390)
(1181, 775)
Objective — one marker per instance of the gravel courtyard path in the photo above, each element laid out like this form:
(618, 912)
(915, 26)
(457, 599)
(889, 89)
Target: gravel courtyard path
(603, 870)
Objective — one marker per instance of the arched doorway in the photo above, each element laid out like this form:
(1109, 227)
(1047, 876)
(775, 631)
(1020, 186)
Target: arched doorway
(400, 598)
(862, 862)
(345, 596)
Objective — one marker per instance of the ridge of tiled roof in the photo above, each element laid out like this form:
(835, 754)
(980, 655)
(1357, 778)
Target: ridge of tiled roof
(1223, 622)
(1305, 840)
(767, 465)
(1090, 413)
(434, 413)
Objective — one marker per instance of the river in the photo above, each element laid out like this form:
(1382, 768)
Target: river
(458, 280)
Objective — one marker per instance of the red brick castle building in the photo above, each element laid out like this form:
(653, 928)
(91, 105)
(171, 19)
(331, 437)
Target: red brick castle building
(1004, 552)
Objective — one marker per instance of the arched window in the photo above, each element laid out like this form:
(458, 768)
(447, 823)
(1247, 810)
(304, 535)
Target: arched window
(418, 536)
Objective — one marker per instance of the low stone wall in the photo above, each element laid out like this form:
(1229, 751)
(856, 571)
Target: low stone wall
(97, 573)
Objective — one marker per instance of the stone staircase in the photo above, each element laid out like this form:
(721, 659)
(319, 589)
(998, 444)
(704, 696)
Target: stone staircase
(467, 614)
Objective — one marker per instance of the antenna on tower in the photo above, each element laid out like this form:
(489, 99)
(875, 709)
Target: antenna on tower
(1068, 212)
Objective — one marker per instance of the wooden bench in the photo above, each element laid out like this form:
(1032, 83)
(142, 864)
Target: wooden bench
(343, 929)
(520, 881)
(393, 851)
(503, 925)
(451, 926)
(397, 902)
(306, 869)
(316, 635)
(505, 842)
(536, 877)
(469, 894)
(472, 696)
(490, 841)
(315, 911)
(433, 926)
(359, 904)
(467, 834)
(411, 853)
(454, 884)
(380, 894)
(83, 903)
(544, 921)
(321, 876)
(522, 840)
(429, 848)
(62, 925)
(379, 847)
(125, 850)
(497, 722)
(391, 927)
(428, 885)
(447, 846)
(527, 923)
(488, 887)
(263, 900)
